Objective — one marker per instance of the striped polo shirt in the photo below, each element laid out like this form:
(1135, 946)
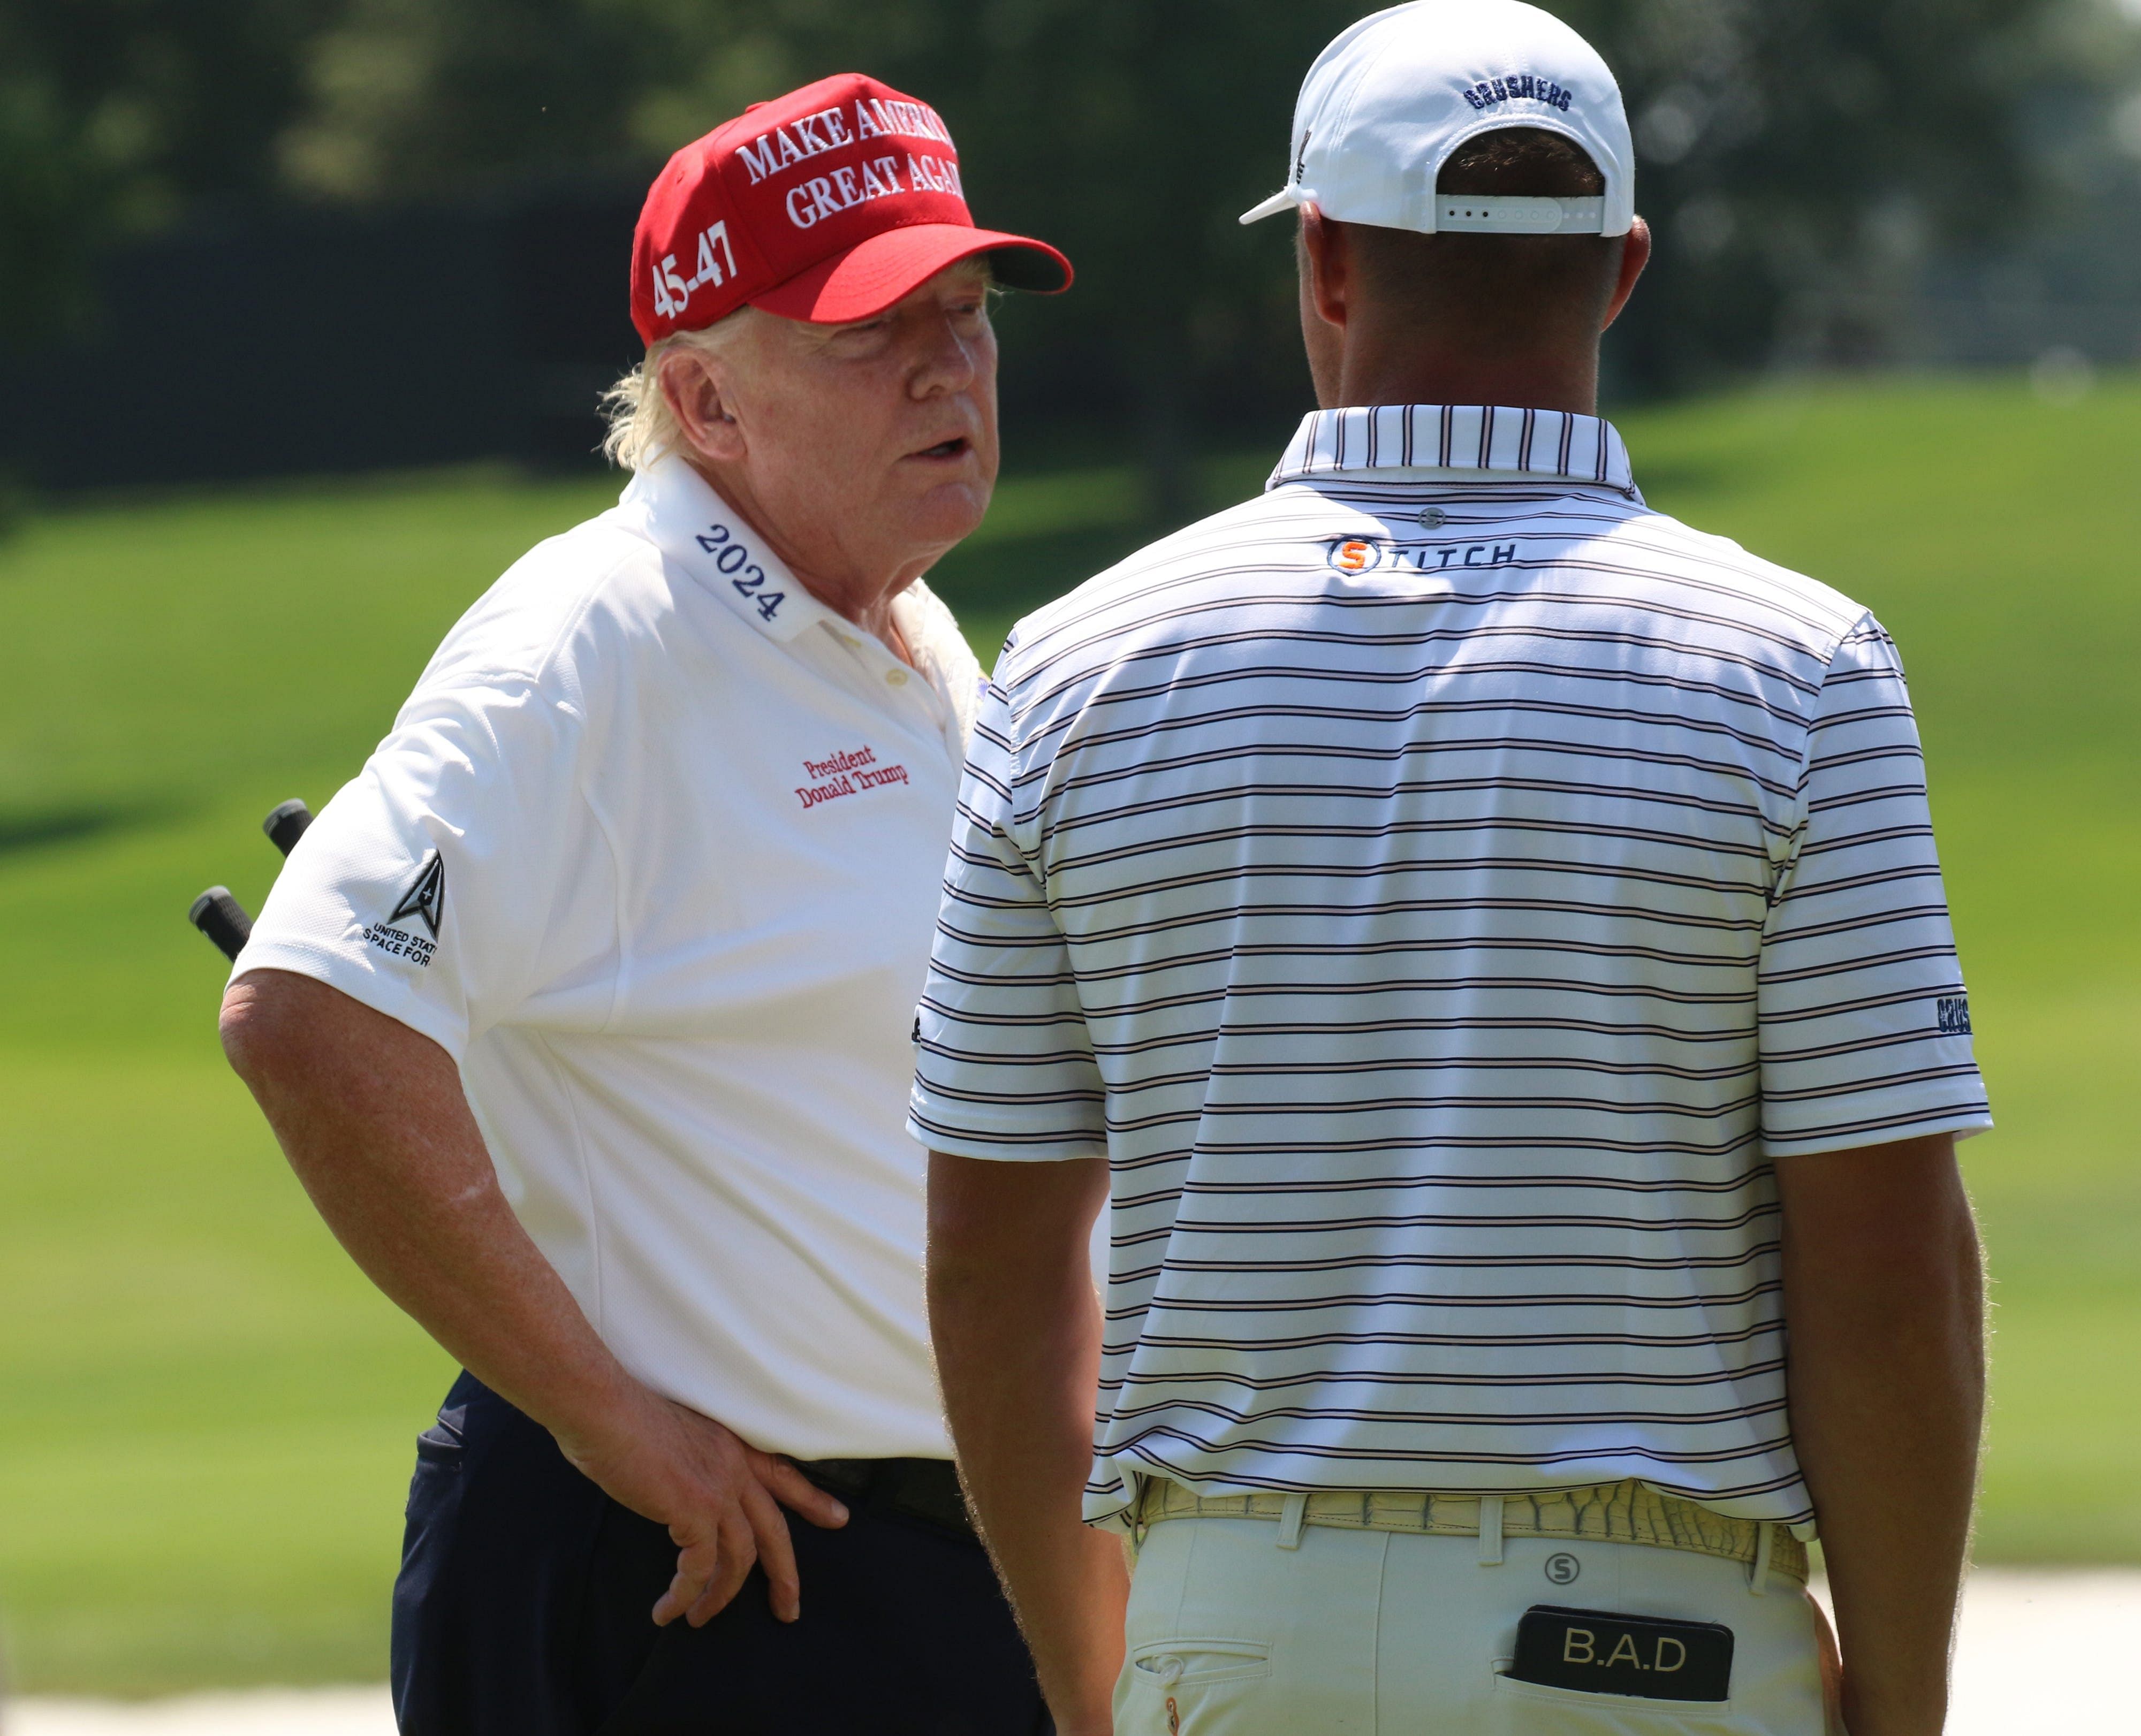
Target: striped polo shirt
(1443, 889)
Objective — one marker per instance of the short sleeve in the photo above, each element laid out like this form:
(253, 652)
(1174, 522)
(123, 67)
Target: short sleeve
(1864, 1020)
(1004, 1063)
(460, 882)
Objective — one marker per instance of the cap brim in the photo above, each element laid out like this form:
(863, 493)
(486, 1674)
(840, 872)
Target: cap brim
(1284, 199)
(872, 275)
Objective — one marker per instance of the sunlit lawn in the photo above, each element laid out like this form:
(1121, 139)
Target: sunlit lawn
(205, 1415)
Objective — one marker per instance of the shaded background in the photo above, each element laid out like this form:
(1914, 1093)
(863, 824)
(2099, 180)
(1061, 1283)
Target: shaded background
(304, 305)
(244, 237)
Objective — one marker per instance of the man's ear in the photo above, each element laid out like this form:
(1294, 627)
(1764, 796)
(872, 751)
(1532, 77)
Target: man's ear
(1326, 262)
(1634, 255)
(698, 392)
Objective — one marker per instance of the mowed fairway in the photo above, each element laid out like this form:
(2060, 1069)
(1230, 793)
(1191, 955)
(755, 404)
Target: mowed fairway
(205, 1414)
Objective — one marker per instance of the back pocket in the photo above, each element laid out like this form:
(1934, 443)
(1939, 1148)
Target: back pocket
(1192, 1688)
(1532, 1709)
(1199, 1663)
(439, 1450)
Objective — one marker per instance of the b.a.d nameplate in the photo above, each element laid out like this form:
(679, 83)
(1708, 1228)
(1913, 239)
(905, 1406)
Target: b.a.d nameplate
(1595, 1651)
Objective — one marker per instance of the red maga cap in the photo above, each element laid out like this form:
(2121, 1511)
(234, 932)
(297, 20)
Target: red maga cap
(827, 204)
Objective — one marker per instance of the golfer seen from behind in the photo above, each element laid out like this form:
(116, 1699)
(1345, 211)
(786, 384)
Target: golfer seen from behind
(1491, 935)
(583, 1011)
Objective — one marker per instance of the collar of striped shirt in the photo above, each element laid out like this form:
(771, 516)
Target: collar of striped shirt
(1463, 442)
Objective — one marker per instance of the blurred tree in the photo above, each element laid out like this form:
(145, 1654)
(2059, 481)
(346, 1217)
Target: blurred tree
(114, 113)
(1798, 161)
(416, 98)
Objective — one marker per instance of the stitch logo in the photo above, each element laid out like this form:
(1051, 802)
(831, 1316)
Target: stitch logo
(1354, 555)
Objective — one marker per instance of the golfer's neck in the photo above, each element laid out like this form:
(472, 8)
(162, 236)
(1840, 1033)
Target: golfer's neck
(1374, 369)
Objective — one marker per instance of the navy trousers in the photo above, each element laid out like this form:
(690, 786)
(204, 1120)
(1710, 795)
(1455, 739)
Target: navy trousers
(522, 1610)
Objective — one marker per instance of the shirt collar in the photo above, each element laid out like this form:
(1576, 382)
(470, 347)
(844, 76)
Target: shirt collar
(709, 539)
(1470, 442)
(695, 527)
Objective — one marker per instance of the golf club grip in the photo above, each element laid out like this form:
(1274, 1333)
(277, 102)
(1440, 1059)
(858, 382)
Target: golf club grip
(286, 824)
(223, 919)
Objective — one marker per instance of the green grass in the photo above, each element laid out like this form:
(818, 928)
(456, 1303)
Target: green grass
(2000, 541)
(205, 1413)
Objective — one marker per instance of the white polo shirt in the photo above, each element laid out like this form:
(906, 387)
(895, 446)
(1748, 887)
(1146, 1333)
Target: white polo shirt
(653, 851)
(1445, 890)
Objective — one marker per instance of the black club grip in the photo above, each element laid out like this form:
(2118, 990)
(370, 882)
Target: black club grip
(286, 824)
(223, 919)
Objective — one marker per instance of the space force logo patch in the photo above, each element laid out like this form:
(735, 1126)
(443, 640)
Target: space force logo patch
(1595, 1652)
(425, 901)
(426, 897)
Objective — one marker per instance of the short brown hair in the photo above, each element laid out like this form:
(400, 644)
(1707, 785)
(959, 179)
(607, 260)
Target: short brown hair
(1501, 289)
(1528, 161)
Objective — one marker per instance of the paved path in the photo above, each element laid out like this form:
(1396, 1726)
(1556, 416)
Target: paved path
(2042, 1655)
(272, 1712)
(2048, 1655)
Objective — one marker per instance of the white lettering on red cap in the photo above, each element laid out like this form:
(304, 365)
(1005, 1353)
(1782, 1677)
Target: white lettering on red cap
(910, 120)
(938, 175)
(672, 291)
(759, 156)
(828, 195)
(799, 140)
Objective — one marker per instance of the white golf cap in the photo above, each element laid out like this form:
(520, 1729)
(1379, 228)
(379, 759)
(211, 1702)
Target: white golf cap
(1386, 104)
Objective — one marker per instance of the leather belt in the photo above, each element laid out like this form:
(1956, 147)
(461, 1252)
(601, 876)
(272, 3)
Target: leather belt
(927, 1489)
(1607, 1513)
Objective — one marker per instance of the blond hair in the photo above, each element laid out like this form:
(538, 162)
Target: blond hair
(642, 423)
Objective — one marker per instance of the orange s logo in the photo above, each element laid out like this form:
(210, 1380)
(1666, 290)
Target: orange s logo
(1354, 554)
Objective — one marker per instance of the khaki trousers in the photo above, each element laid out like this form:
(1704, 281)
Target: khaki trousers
(1246, 1627)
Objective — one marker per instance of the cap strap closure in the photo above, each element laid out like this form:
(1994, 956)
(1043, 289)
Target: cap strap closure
(1502, 213)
